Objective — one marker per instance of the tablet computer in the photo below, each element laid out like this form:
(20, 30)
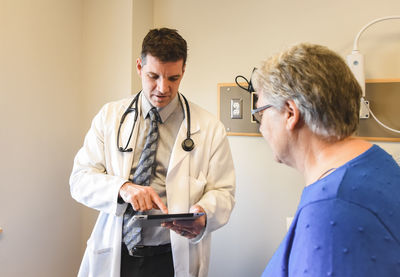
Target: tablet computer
(146, 220)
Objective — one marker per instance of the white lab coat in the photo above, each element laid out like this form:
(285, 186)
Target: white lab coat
(204, 176)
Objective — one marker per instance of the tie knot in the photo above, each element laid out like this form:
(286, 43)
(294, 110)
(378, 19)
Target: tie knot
(154, 115)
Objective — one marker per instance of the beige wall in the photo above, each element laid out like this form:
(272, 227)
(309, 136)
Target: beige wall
(61, 60)
(227, 38)
(106, 52)
(40, 113)
(142, 22)
(106, 67)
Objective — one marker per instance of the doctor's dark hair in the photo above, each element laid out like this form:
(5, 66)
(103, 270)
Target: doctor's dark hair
(164, 44)
(319, 82)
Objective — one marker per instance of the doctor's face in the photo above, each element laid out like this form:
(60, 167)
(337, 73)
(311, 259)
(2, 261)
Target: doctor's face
(160, 80)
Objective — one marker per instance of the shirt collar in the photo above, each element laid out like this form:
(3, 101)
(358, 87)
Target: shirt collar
(164, 112)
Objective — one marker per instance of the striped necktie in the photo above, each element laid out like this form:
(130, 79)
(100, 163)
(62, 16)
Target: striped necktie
(141, 176)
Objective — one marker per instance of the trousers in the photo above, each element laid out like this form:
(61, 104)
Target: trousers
(155, 266)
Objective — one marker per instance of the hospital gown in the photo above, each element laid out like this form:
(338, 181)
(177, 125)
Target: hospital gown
(347, 224)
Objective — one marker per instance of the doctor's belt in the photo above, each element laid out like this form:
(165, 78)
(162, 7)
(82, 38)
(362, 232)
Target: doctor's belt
(141, 251)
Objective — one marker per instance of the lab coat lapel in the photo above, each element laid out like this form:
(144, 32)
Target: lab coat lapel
(177, 185)
(178, 194)
(178, 175)
(178, 154)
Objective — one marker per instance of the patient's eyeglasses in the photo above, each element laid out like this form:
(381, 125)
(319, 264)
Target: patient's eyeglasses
(256, 113)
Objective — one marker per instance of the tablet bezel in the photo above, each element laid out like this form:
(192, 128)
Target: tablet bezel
(154, 220)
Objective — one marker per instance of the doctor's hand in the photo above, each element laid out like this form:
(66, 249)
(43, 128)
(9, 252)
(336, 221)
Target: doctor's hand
(142, 198)
(189, 228)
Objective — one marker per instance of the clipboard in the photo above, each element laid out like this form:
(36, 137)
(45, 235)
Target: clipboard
(155, 220)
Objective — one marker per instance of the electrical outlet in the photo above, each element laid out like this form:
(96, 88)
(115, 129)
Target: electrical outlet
(236, 108)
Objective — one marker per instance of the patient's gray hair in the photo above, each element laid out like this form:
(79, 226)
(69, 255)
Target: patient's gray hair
(319, 82)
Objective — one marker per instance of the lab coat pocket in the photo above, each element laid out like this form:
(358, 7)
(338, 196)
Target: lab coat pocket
(197, 186)
(100, 260)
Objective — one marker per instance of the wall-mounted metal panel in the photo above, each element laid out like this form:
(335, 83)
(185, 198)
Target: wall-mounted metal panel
(383, 97)
(233, 99)
(384, 101)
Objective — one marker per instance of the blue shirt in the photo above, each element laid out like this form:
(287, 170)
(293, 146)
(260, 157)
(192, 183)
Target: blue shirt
(347, 224)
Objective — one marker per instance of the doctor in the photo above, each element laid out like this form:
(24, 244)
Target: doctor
(183, 178)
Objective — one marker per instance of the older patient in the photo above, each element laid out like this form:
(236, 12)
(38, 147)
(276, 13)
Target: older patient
(348, 219)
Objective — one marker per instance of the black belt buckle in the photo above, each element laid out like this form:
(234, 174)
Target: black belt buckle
(137, 251)
(141, 251)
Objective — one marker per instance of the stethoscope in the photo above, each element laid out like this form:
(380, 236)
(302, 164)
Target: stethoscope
(187, 144)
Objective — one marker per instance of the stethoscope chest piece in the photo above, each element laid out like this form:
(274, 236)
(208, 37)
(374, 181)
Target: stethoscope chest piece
(188, 144)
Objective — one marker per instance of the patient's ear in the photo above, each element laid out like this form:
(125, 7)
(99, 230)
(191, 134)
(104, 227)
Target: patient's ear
(292, 115)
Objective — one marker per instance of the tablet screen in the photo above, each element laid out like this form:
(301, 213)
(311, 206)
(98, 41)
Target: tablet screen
(158, 219)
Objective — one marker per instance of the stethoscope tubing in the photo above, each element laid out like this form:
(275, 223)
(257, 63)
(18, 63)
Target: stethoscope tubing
(187, 144)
